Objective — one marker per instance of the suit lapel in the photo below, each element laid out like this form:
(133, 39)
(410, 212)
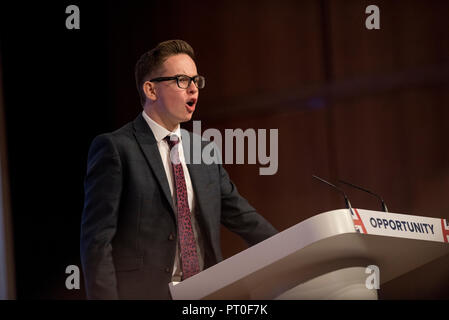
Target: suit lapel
(197, 172)
(199, 182)
(147, 142)
(199, 177)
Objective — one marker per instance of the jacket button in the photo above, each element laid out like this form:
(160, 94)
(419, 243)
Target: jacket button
(171, 237)
(167, 270)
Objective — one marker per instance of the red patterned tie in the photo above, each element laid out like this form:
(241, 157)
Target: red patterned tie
(189, 256)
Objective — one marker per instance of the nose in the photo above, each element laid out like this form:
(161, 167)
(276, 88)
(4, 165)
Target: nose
(192, 89)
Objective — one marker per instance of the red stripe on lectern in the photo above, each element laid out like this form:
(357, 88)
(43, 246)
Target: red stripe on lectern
(358, 221)
(445, 230)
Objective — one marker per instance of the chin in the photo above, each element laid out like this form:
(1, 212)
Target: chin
(187, 118)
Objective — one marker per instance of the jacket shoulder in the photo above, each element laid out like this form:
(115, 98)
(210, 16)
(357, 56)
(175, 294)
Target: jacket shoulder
(116, 140)
(123, 133)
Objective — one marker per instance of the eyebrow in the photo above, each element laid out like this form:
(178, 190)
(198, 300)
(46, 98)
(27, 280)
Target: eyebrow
(182, 74)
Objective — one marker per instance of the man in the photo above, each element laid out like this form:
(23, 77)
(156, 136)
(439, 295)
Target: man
(151, 217)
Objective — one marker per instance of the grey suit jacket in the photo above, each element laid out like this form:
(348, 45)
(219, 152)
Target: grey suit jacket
(128, 227)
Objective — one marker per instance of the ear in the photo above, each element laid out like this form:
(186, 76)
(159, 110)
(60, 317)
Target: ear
(150, 90)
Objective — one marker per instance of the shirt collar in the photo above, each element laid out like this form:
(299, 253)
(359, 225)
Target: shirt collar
(159, 131)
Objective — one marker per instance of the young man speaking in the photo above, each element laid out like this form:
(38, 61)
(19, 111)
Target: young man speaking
(151, 217)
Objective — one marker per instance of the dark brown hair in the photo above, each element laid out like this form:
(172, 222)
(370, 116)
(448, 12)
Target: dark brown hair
(152, 60)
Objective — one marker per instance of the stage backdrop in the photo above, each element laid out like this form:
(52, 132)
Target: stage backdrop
(7, 278)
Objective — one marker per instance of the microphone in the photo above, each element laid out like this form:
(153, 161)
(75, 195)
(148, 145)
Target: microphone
(384, 206)
(348, 204)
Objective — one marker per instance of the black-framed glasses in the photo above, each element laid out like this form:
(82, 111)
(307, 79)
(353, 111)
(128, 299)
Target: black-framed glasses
(183, 81)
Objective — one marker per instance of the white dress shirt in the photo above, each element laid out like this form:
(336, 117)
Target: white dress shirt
(159, 134)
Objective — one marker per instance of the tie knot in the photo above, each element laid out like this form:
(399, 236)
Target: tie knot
(172, 140)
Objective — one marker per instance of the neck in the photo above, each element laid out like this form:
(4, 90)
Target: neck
(159, 120)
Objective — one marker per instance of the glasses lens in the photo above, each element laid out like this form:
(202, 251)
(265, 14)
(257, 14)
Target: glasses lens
(183, 82)
(200, 82)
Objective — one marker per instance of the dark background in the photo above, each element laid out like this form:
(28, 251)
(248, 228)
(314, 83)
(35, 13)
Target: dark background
(368, 106)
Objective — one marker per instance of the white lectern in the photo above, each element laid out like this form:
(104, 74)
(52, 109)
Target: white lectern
(333, 255)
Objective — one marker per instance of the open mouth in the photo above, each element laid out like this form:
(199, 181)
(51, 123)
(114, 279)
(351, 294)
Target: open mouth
(191, 102)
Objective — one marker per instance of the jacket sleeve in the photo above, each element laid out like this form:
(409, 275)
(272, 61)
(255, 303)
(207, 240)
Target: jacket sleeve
(103, 185)
(239, 216)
